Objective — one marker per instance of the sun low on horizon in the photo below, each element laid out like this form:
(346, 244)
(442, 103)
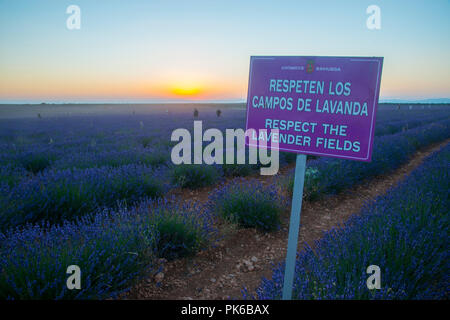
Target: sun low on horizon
(186, 91)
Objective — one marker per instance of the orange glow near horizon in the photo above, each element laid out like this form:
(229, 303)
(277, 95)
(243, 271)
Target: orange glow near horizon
(179, 86)
(186, 91)
(67, 82)
(194, 89)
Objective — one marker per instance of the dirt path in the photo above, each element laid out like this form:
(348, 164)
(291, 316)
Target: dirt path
(244, 256)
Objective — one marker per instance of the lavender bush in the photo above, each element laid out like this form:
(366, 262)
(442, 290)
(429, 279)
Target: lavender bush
(195, 176)
(250, 204)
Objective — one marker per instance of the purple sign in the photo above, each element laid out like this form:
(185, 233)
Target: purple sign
(320, 105)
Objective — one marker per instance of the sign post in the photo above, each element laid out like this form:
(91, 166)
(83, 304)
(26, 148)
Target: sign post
(294, 225)
(324, 106)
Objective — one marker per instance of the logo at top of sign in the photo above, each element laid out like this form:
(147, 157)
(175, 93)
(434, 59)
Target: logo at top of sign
(310, 66)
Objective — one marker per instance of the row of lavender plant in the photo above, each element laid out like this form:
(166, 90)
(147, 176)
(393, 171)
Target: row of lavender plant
(391, 127)
(404, 232)
(58, 195)
(387, 127)
(112, 248)
(330, 176)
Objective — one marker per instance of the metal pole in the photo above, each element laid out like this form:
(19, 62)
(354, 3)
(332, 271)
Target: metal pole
(294, 225)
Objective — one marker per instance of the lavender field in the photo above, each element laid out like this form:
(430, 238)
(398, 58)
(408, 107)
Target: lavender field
(89, 186)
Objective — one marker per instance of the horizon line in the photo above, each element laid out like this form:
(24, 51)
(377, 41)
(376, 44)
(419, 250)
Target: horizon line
(216, 101)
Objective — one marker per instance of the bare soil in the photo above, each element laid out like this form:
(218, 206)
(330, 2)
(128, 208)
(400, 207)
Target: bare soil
(244, 256)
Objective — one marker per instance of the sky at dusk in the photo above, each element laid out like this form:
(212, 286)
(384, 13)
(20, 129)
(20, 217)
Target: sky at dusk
(143, 51)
